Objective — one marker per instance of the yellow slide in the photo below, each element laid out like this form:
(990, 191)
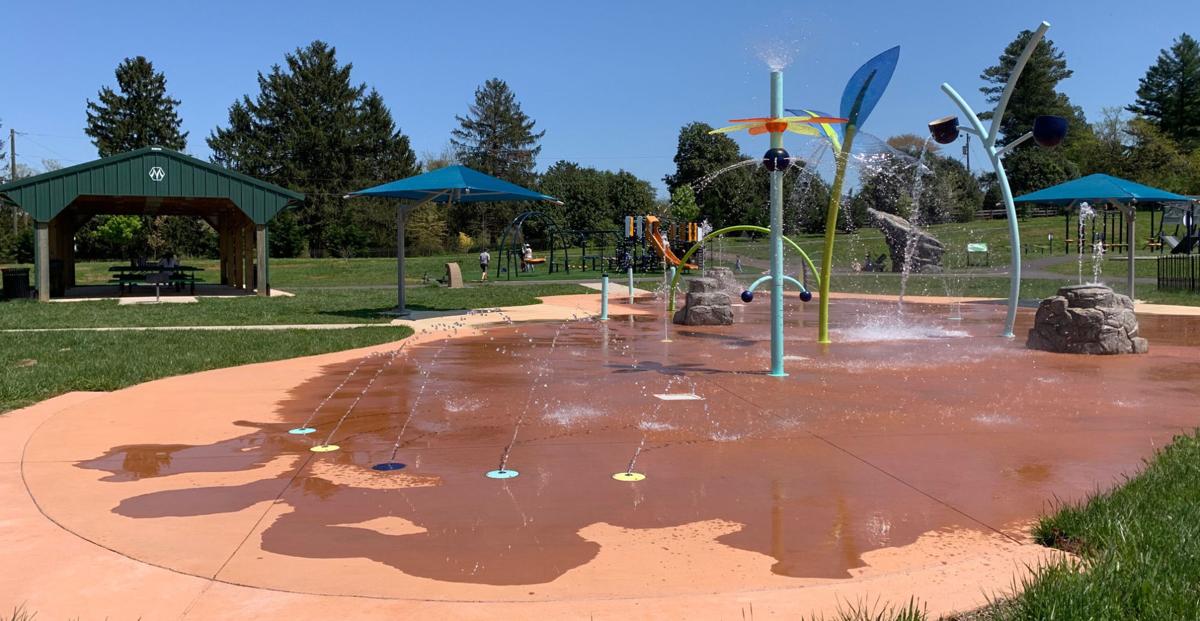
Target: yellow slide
(657, 241)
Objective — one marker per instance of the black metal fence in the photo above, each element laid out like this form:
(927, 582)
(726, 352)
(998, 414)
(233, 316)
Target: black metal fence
(1179, 272)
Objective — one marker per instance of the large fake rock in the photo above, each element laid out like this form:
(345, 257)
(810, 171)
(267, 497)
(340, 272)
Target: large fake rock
(726, 282)
(1086, 319)
(706, 304)
(927, 255)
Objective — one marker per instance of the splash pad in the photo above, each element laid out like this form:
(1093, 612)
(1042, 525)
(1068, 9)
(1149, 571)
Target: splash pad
(764, 482)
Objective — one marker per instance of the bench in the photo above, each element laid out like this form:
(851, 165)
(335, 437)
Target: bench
(125, 281)
(179, 279)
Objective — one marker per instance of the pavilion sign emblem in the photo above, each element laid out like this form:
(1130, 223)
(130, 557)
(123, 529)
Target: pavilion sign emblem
(157, 174)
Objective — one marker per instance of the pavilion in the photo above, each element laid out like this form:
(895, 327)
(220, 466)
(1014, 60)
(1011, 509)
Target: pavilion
(152, 181)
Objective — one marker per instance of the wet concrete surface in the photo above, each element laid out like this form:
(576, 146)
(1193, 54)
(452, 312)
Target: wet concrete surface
(906, 425)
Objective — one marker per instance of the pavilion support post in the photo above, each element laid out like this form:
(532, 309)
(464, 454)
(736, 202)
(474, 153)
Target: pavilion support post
(248, 256)
(231, 256)
(41, 251)
(235, 239)
(260, 242)
(401, 221)
(223, 249)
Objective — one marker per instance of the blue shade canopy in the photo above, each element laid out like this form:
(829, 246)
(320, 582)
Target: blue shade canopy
(870, 81)
(454, 183)
(1101, 187)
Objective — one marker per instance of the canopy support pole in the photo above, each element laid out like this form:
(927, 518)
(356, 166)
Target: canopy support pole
(401, 221)
(1129, 217)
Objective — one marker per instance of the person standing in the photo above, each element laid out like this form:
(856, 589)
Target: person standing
(485, 260)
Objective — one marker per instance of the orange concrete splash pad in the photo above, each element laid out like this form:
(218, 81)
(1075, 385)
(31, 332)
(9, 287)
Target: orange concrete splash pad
(907, 459)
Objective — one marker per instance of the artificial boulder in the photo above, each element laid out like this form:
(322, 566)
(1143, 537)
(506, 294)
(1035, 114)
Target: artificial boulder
(706, 304)
(1086, 319)
(927, 252)
(726, 281)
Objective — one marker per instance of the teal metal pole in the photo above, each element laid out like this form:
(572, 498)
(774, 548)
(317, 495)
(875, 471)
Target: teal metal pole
(1014, 236)
(670, 291)
(604, 297)
(777, 235)
(630, 272)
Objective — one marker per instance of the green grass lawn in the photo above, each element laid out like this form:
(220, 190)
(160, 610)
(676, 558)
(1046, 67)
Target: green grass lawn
(307, 307)
(38, 366)
(955, 236)
(1138, 547)
(1113, 265)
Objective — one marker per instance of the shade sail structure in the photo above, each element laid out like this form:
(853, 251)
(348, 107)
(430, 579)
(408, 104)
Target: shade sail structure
(1101, 188)
(452, 184)
(457, 184)
(1098, 188)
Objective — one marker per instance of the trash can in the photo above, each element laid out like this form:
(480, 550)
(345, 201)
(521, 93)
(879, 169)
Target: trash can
(58, 282)
(16, 283)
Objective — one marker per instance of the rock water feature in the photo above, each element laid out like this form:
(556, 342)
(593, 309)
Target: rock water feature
(707, 304)
(1087, 319)
(925, 252)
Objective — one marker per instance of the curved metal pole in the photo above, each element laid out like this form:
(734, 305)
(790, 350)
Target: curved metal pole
(786, 278)
(731, 229)
(754, 285)
(994, 155)
(835, 198)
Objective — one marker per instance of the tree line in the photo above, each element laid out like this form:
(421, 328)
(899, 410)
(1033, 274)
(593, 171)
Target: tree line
(312, 129)
(1155, 140)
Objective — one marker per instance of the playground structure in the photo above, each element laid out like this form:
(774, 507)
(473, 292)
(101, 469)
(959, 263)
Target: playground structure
(662, 244)
(641, 245)
(645, 248)
(1177, 242)
(513, 242)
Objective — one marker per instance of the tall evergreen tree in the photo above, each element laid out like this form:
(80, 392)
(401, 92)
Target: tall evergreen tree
(1036, 91)
(495, 137)
(138, 114)
(312, 130)
(1169, 94)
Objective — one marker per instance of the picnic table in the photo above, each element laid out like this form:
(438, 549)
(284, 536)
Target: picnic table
(155, 276)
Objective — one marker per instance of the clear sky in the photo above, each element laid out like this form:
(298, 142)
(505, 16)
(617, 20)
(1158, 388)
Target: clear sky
(611, 81)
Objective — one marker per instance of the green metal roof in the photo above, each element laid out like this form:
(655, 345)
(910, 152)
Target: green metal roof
(151, 172)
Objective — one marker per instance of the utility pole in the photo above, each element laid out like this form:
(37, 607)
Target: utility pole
(967, 151)
(12, 169)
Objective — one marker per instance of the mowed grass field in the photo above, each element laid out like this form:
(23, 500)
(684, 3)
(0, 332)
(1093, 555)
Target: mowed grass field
(39, 365)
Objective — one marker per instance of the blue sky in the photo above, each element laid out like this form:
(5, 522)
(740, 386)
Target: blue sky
(610, 82)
